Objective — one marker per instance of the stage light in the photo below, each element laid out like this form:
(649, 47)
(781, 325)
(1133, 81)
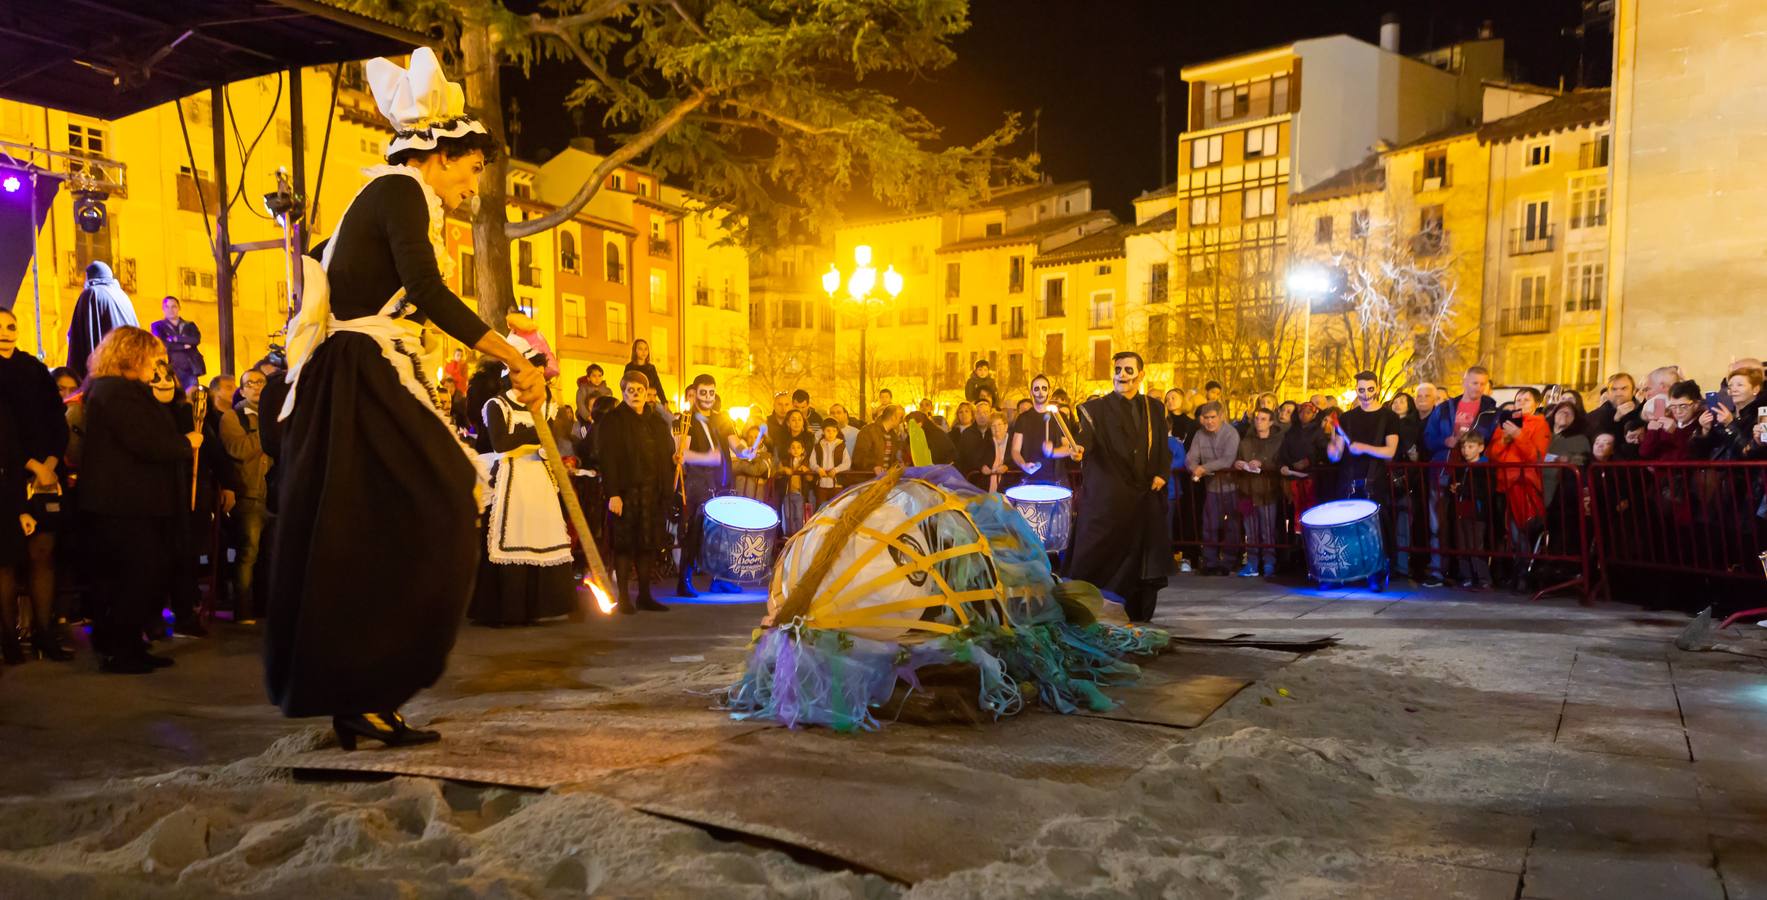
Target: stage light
(11, 184)
(89, 211)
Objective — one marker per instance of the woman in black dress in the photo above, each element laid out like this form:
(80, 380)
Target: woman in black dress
(376, 543)
(33, 440)
(132, 494)
(637, 456)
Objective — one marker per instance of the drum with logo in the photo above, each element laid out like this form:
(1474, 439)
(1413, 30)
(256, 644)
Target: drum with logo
(1049, 508)
(1344, 543)
(741, 535)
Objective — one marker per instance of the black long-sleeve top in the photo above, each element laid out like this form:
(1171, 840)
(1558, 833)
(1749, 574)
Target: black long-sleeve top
(134, 458)
(384, 245)
(30, 402)
(636, 452)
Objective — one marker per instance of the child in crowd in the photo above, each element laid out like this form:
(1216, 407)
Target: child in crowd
(754, 466)
(1471, 492)
(798, 485)
(829, 460)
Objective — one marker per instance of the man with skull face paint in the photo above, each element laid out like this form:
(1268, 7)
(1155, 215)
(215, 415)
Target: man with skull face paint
(1122, 532)
(1038, 446)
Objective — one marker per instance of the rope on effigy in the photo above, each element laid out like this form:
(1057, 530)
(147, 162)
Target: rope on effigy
(797, 603)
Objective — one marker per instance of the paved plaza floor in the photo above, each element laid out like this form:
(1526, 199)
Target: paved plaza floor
(1449, 745)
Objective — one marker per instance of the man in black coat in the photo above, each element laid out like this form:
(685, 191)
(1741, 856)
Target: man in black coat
(1123, 533)
(880, 443)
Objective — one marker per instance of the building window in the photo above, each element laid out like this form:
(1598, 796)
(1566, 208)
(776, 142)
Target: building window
(616, 323)
(1260, 142)
(993, 314)
(1593, 154)
(1158, 281)
(1589, 201)
(526, 273)
(617, 181)
(1015, 368)
(1536, 230)
(1359, 223)
(702, 295)
(791, 313)
(975, 315)
(567, 250)
(1103, 306)
(659, 292)
(1015, 275)
(1322, 230)
(1435, 166)
(952, 378)
(1588, 368)
(1205, 210)
(757, 315)
(993, 229)
(1158, 339)
(1015, 324)
(1054, 305)
(1585, 282)
(1052, 354)
(1530, 296)
(616, 273)
(953, 279)
(195, 191)
(1259, 202)
(523, 190)
(576, 317)
(1537, 154)
(1205, 152)
(1101, 358)
(950, 332)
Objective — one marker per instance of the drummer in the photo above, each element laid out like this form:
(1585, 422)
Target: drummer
(1040, 447)
(705, 451)
(1365, 440)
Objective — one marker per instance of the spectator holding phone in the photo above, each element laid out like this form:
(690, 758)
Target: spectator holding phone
(1672, 437)
(1522, 438)
(1728, 429)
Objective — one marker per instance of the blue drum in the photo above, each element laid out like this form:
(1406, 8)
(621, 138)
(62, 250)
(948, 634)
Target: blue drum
(741, 535)
(1048, 509)
(1344, 543)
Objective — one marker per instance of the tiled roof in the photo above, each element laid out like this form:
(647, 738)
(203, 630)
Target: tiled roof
(1019, 196)
(1448, 133)
(1577, 108)
(1029, 234)
(1164, 191)
(1364, 177)
(1165, 221)
(1102, 245)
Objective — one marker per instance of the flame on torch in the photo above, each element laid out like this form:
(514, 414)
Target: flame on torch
(604, 602)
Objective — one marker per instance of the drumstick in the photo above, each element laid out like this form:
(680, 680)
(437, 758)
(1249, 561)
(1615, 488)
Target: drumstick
(599, 582)
(1064, 427)
(195, 467)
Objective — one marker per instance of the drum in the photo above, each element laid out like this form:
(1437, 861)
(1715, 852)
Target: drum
(1344, 543)
(1049, 508)
(741, 535)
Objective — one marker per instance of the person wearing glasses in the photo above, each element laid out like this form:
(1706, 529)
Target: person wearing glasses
(1122, 530)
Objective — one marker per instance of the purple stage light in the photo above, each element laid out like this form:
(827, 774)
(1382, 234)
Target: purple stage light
(11, 184)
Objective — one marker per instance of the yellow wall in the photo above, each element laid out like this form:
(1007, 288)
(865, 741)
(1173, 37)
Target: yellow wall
(1087, 280)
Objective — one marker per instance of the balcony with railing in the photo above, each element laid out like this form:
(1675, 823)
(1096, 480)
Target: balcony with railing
(1523, 241)
(950, 332)
(1422, 181)
(702, 296)
(1536, 319)
(1012, 331)
(1054, 306)
(528, 276)
(1101, 316)
(731, 299)
(616, 273)
(661, 248)
(1155, 290)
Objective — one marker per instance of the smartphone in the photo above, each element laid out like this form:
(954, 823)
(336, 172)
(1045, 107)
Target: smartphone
(1711, 399)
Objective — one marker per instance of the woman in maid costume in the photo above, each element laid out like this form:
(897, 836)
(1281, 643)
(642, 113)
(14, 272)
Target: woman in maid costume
(377, 540)
(526, 574)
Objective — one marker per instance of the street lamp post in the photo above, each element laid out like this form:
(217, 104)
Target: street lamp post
(1308, 283)
(862, 286)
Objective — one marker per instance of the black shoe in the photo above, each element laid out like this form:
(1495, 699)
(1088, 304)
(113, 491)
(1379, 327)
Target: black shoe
(125, 665)
(389, 728)
(48, 647)
(684, 589)
(1434, 581)
(649, 604)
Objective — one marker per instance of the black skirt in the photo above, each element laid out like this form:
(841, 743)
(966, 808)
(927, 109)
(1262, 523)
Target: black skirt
(515, 594)
(377, 544)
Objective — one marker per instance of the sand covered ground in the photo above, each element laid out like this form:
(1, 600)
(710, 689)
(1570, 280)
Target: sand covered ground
(1445, 748)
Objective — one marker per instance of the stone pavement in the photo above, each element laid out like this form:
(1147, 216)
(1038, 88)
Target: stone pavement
(1541, 750)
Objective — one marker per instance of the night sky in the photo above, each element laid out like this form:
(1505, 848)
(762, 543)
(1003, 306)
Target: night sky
(1087, 65)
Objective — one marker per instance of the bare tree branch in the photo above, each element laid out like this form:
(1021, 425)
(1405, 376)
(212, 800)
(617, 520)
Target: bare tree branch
(628, 151)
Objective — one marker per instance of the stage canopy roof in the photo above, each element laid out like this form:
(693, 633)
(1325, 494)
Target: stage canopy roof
(110, 58)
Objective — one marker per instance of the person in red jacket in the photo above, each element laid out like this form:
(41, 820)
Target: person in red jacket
(1522, 438)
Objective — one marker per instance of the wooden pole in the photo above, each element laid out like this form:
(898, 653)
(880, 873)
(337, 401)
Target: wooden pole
(600, 583)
